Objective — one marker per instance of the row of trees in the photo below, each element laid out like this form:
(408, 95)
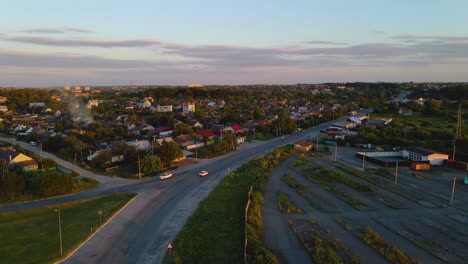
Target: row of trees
(49, 183)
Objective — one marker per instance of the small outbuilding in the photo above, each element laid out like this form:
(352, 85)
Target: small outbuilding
(302, 145)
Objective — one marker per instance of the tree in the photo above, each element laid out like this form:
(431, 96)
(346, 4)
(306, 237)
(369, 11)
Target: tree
(433, 106)
(152, 164)
(169, 151)
(257, 113)
(181, 129)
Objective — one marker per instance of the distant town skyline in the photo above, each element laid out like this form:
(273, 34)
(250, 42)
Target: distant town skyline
(57, 43)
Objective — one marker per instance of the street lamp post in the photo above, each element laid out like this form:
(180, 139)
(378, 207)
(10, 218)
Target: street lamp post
(100, 217)
(60, 230)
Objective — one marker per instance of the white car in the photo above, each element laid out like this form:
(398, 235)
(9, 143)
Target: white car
(203, 173)
(165, 176)
(33, 143)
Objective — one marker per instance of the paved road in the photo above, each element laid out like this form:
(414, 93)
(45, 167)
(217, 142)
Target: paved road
(142, 231)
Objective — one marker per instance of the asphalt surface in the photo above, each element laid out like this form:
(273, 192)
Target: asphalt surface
(142, 231)
(426, 226)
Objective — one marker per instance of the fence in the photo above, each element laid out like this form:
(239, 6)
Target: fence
(245, 224)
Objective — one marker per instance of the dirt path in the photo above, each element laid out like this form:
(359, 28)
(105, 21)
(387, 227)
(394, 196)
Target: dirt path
(278, 236)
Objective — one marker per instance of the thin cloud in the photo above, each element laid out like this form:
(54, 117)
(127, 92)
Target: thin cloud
(433, 38)
(57, 30)
(18, 59)
(380, 32)
(85, 43)
(324, 42)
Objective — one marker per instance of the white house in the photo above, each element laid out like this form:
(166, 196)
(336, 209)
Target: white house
(188, 107)
(421, 154)
(140, 145)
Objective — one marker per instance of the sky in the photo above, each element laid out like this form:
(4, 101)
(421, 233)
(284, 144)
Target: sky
(151, 42)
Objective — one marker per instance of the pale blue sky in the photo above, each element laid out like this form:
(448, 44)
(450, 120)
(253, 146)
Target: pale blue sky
(178, 42)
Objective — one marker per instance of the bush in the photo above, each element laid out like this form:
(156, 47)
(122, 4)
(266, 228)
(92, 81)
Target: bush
(48, 163)
(50, 183)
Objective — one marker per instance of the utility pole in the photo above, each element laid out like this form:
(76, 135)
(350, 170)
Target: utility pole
(40, 152)
(196, 155)
(363, 161)
(74, 163)
(139, 167)
(60, 231)
(336, 151)
(453, 189)
(317, 144)
(458, 131)
(396, 173)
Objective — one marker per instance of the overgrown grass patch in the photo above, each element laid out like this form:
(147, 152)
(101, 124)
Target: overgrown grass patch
(322, 246)
(286, 206)
(389, 251)
(32, 236)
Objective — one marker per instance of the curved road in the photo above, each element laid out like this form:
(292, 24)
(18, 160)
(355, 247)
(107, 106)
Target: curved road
(142, 231)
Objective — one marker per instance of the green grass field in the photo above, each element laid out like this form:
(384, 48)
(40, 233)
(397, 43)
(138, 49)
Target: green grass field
(32, 236)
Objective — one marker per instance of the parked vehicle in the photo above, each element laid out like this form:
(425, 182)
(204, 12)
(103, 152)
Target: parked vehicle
(203, 173)
(420, 166)
(165, 176)
(417, 175)
(33, 143)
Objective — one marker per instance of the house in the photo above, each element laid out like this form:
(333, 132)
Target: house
(92, 103)
(422, 154)
(302, 145)
(405, 111)
(116, 158)
(302, 109)
(14, 158)
(188, 107)
(3, 108)
(237, 128)
(195, 124)
(355, 120)
(161, 140)
(143, 129)
(140, 145)
(205, 134)
(3, 99)
(183, 140)
(38, 104)
(164, 108)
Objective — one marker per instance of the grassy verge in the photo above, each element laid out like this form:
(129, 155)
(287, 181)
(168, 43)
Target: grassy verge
(390, 252)
(32, 236)
(215, 232)
(286, 206)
